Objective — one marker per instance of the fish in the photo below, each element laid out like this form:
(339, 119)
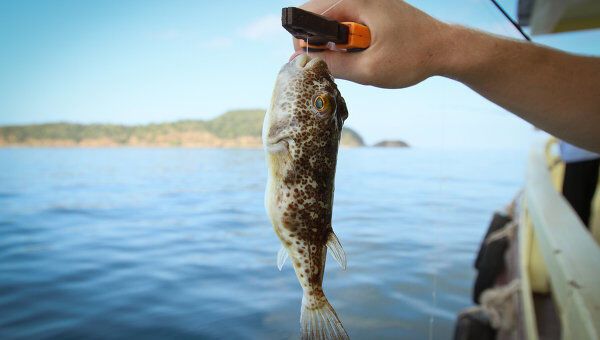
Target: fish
(301, 136)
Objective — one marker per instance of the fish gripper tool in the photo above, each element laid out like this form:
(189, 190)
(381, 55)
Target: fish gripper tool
(316, 31)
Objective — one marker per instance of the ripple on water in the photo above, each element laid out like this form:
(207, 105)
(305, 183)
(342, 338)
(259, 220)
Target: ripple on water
(179, 245)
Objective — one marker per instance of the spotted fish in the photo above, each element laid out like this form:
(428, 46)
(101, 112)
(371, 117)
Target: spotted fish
(301, 134)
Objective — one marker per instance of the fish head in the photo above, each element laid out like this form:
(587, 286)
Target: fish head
(306, 114)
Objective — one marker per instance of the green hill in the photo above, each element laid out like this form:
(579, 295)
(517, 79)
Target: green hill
(232, 129)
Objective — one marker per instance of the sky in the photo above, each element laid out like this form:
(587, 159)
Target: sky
(149, 61)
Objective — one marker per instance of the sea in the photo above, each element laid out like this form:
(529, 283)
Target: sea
(174, 243)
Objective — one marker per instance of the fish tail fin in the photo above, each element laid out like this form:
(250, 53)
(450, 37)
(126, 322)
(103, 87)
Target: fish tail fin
(319, 320)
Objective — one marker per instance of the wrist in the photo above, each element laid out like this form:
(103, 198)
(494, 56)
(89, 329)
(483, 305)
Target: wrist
(470, 55)
(457, 45)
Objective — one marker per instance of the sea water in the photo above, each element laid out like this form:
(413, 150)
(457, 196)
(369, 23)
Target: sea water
(175, 243)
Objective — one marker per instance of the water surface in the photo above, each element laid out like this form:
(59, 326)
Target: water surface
(175, 243)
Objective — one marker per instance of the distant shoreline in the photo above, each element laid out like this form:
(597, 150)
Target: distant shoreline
(235, 129)
(17, 146)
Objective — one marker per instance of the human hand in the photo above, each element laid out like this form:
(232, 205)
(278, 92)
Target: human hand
(407, 45)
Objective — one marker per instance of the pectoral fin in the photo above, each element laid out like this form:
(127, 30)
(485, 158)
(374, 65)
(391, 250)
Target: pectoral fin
(336, 249)
(282, 255)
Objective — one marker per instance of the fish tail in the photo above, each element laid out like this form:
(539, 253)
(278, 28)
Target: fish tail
(319, 320)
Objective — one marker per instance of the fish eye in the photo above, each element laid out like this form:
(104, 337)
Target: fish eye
(319, 103)
(322, 103)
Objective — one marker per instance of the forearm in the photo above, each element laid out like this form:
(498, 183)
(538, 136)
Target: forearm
(555, 91)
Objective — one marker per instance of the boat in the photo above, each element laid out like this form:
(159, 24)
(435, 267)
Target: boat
(549, 286)
(539, 266)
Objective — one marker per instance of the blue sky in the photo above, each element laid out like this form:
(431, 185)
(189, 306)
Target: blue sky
(153, 61)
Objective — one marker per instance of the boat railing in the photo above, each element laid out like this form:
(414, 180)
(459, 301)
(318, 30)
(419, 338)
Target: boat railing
(561, 256)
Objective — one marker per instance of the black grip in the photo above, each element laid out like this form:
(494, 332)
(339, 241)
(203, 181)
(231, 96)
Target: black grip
(317, 29)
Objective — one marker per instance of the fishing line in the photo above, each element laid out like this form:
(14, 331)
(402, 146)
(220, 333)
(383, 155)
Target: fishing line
(332, 6)
(434, 299)
(492, 14)
(442, 179)
(512, 21)
(307, 46)
(322, 13)
(438, 223)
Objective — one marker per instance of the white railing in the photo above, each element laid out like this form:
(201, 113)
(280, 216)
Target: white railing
(570, 254)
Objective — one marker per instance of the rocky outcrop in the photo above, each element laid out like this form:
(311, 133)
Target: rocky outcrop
(391, 144)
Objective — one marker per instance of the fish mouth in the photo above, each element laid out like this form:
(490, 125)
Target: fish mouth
(304, 61)
(295, 54)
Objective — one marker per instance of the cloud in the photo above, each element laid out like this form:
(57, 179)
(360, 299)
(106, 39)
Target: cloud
(263, 28)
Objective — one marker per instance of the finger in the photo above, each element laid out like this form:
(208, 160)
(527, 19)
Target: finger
(344, 65)
(296, 43)
(297, 46)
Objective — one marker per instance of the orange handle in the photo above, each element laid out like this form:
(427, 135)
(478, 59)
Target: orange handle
(359, 37)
